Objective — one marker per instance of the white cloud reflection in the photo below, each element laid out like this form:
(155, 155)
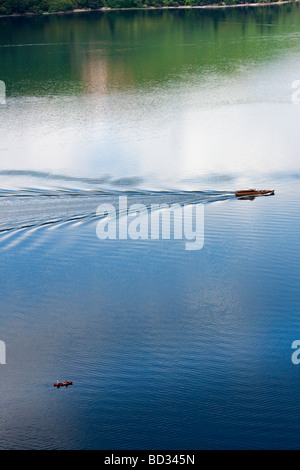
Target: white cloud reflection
(174, 137)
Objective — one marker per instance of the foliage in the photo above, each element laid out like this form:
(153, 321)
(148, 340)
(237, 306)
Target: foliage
(10, 7)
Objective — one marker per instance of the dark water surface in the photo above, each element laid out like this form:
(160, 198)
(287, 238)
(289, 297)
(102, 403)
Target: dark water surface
(167, 348)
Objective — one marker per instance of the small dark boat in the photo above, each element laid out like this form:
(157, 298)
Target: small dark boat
(255, 192)
(63, 384)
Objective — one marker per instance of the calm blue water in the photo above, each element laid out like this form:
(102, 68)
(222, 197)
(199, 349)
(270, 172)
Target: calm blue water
(168, 349)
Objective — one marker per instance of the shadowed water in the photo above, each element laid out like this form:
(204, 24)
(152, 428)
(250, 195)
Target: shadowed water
(167, 349)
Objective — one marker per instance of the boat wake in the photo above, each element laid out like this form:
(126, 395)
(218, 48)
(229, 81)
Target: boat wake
(34, 208)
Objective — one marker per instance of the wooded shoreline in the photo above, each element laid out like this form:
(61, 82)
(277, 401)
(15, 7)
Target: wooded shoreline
(145, 8)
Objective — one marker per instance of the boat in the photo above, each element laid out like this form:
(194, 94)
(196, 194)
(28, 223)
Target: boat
(255, 192)
(63, 384)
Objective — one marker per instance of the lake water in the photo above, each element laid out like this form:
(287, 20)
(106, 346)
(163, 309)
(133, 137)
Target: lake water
(167, 348)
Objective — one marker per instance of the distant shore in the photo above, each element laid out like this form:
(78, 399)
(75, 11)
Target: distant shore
(183, 7)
